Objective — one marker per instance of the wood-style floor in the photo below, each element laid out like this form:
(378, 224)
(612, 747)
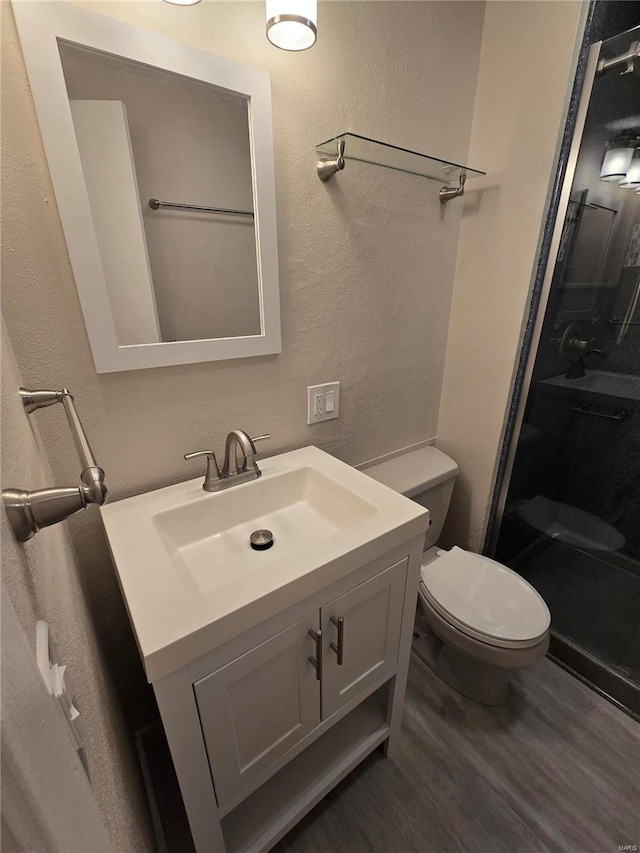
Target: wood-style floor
(556, 769)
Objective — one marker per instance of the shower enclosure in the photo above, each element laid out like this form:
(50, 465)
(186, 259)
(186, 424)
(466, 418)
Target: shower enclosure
(569, 514)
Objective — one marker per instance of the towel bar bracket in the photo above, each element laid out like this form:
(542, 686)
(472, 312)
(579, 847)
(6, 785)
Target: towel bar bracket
(30, 511)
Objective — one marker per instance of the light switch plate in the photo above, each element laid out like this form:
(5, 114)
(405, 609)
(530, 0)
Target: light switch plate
(317, 398)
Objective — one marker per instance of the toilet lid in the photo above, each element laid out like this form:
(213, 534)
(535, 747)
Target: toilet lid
(485, 598)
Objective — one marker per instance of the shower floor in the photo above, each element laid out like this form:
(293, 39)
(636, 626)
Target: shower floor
(594, 602)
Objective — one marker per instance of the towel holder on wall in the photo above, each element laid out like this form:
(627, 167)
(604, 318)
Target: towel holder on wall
(28, 512)
(332, 154)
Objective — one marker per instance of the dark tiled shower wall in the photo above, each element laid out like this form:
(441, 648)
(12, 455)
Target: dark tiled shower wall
(603, 305)
(606, 19)
(624, 357)
(570, 455)
(603, 472)
(586, 461)
(610, 17)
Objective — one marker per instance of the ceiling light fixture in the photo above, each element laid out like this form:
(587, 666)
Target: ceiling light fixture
(632, 178)
(182, 2)
(292, 24)
(617, 158)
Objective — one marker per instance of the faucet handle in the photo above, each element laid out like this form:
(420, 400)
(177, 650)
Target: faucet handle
(255, 438)
(198, 453)
(213, 471)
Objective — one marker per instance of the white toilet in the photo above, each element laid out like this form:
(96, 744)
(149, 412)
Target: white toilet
(477, 619)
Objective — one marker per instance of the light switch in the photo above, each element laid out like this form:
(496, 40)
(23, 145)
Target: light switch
(323, 402)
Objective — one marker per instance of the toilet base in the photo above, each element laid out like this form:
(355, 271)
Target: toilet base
(479, 681)
(475, 679)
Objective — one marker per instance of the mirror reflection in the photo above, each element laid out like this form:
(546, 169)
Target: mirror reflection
(185, 269)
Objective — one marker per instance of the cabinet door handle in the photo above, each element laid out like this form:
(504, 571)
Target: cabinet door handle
(339, 649)
(316, 662)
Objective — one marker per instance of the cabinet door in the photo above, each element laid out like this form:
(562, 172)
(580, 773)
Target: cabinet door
(372, 618)
(258, 706)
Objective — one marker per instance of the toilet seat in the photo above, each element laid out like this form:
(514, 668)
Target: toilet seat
(485, 600)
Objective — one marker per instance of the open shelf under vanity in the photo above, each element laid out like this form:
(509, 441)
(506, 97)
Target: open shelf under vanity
(263, 818)
(266, 815)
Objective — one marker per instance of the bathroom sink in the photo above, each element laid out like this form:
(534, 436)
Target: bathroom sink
(208, 540)
(191, 579)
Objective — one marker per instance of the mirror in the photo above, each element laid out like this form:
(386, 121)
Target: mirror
(145, 136)
(164, 181)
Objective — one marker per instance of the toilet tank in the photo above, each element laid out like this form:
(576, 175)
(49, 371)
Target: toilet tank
(426, 476)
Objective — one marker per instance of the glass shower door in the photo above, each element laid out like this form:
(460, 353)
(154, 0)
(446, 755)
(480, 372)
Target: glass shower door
(571, 522)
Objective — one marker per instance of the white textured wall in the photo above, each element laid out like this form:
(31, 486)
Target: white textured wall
(526, 69)
(44, 581)
(38, 812)
(366, 274)
(366, 263)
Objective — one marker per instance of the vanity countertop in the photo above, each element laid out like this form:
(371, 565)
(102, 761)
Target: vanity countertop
(189, 577)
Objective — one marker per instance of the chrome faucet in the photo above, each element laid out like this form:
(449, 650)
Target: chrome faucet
(232, 472)
(238, 438)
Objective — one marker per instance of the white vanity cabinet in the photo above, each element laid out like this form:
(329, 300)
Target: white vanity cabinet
(257, 707)
(372, 614)
(263, 727)
(276, 672)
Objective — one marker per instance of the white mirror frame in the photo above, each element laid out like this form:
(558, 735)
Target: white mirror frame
(40, 25)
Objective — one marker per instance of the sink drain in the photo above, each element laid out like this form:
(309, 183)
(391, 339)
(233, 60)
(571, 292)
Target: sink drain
(261, 540)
